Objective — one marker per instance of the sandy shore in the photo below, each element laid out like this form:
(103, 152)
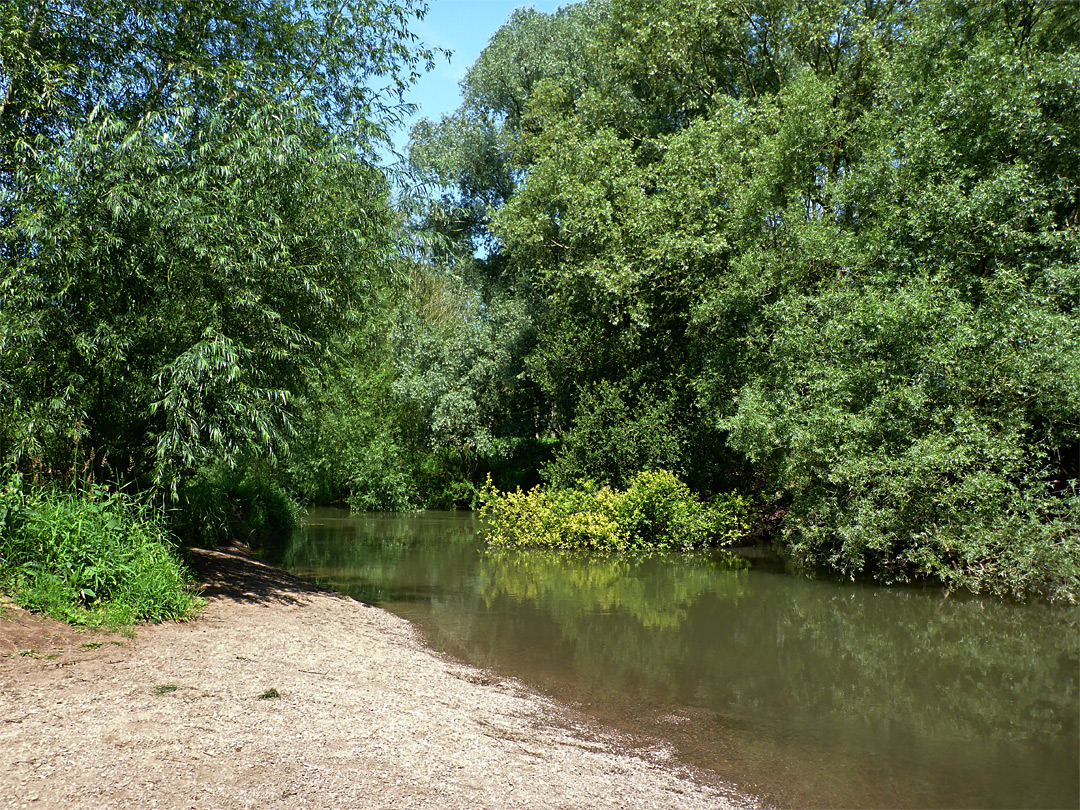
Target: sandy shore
(183, 716)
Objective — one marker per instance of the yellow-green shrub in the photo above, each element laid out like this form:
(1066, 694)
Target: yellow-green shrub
(656, 511)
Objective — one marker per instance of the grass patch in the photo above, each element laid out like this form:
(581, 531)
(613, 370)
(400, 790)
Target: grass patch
(91, 645)
(165, 689)
(94, 558)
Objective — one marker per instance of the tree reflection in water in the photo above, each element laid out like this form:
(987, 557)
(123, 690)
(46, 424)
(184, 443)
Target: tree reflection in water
(815, 692)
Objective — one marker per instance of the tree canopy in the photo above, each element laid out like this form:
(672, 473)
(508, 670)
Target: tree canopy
(825, 254)
(189, 215)
(824, 250)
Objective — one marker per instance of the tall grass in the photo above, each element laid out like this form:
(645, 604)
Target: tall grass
(93, 558)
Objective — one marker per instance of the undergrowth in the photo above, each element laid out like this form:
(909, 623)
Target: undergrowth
(223, 503)
(93, 558)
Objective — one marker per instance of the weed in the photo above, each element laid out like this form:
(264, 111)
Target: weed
(165, 689)
(29, 654)
(91, 645)
(93, 558)
(270, 694)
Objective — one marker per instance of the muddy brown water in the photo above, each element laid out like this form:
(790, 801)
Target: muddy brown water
(810, 693)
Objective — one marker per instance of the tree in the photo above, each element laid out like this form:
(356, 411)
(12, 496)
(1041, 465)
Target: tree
(915, 331)
(460, 368)
(830, 249)
(189, 216)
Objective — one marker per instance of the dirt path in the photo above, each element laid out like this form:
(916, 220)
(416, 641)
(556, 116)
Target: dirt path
(366, 717)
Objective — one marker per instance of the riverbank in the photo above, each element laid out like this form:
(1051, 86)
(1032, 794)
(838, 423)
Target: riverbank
(281, 695)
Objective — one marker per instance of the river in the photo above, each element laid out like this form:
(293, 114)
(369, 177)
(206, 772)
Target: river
(810, 693)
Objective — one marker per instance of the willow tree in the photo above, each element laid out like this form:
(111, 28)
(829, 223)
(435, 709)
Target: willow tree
(189, 214)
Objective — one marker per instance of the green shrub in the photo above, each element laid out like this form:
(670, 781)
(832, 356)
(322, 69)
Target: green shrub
(656, 511)
(222, 503)
(95, 558)
(618, 433)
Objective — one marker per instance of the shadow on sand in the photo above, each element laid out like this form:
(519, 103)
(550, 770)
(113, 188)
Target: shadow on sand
(231, 572)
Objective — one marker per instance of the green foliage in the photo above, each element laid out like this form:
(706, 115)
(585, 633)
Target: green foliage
(416, 407)
(656, 512)
(187, 337)
(460, 372)
(831, 248)
(189, 217)
(356, 446)
(909, 320)
(520, 462)
(610, 441)
(94, 558)
(223, 503)
(466, 153)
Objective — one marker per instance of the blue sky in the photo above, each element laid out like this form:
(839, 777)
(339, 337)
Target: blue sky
(464, 27)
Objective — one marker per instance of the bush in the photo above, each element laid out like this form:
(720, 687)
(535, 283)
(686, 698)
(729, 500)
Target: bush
(656, 512)
(617, 434)
(224, 503)
(95, 558)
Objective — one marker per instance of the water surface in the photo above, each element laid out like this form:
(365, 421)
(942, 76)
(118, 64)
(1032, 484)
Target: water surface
(809, 693)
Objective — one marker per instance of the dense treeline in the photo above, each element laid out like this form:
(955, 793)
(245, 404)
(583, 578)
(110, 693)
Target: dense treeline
(823, 254)
(827, 252)
(190, 219)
